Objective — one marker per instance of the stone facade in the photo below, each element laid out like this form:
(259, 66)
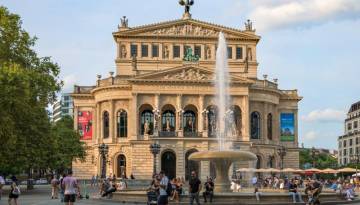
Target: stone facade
(349, 143)
(157, 96)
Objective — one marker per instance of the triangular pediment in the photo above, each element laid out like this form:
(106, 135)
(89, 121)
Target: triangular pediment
(187, 28)
(187, 73)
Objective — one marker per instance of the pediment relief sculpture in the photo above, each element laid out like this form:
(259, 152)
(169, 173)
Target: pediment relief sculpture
(187, 29)
(188, 74)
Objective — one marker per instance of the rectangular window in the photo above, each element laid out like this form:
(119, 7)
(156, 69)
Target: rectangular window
(350, 151)
(345, 162)
(144, 50)
(176, 52)
(155, 51)
(350, 143)
(355, 124)
(66, 98)
(344, 152)
(340, 153)
(197, 51)
(344, 143)
(229, 50)
(349, 126)
(239, 53)
(66, 104)
(134, 50)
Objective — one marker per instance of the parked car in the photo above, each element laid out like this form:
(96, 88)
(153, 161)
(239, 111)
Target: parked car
(41, 181)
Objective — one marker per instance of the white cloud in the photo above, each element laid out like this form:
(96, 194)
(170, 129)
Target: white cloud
(69, 82)
(300, 13)
(310, 136)
(326, 115)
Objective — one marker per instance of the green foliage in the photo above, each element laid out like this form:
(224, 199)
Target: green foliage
(28, 83)
(66, 145)
(322, 160)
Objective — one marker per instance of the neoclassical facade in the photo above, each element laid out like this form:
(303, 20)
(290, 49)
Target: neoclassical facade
(158, 96)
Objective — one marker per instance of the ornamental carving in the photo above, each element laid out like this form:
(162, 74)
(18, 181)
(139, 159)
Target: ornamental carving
(189, 74)
(186, 30)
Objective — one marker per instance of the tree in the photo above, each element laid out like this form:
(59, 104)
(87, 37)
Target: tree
(322, 160)
(28, 83)
(66, 145)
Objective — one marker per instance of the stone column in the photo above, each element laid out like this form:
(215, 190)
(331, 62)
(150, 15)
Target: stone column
(161, 54)
(76, 110)
(156, 115)
(203, 52)
(179, 115)
(118, 48)
(112, 121)
(99, 124)
(245, 128)
(213, 52)
(135, 121)
(200, 115)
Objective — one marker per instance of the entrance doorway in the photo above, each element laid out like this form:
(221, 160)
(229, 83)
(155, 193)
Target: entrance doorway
(121, 166)
(168, 164)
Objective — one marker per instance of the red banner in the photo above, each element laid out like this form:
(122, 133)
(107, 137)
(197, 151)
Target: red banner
(85, 125)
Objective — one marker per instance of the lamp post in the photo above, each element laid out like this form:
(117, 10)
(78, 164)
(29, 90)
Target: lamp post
(155, 149)
(313, 155)
(355, 158)
(103, 150)
(282, 153)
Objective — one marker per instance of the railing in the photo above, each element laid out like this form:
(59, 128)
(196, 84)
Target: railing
(167, 134)
(265, 84)
(83, 89)
(192, 134)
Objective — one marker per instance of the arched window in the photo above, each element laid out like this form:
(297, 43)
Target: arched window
(191, 165)
(121, 120)
(106, 124)
(168, 164)
(235, 121)
(271, 162)
(121, 166)
(189, 121)
(269, 126)
(147, 122)
(255, 125)
(212, 121)
(168, 121)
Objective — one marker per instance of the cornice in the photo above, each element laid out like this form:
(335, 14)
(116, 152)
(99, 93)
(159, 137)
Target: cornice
(111, 87)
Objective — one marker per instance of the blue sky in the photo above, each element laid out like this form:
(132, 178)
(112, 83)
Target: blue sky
(310, 45)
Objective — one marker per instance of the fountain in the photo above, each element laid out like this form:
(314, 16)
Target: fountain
(224, 157)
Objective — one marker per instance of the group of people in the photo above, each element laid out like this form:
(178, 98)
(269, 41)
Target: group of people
(164, 189)
(68, 187)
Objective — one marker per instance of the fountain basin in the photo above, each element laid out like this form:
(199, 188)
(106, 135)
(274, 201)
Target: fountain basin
(222, 161)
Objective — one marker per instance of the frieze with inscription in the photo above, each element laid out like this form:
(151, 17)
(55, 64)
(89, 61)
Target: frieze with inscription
(188, 29)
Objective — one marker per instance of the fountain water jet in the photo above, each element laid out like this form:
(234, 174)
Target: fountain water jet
(224, 157)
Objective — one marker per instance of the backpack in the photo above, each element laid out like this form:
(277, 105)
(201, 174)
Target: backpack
(16, 191)
(169, 188)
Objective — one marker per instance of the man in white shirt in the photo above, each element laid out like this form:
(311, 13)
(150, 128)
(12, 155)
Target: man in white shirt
(163, 197)
(254, 181)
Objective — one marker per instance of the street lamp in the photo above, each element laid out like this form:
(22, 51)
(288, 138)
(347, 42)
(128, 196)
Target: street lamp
(282, 153)
(155, 149)
(313, 155)
(103, 150)
(355, 158)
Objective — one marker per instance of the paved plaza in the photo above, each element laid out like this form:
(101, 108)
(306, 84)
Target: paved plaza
(41, 196)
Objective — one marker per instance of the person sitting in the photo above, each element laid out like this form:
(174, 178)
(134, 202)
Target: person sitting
(294, 192)
(174, 193)
(109, 191)
(257, 194)
(209, 189)
(314, 193)
(349, 193)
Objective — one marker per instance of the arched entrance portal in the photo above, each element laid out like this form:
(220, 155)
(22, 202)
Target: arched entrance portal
(168, 164)
(121, 166)
(191, 165)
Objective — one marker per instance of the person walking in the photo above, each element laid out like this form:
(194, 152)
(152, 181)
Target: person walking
(14, 193)
(54, 187)
(71, 189)
(194, 188)
(2, 183)
(163, 185)
(61, 188)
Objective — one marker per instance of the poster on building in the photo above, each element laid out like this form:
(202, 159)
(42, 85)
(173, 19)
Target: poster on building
(287, 126)
(85, 125)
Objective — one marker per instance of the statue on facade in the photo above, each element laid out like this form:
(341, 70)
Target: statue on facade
(187, 4)
(134, 62)
(124, 22)
(123, 52)
(208, 53)
(146, 127)
(166, 52)
(167, 127)
(248, 26)
(189, 56)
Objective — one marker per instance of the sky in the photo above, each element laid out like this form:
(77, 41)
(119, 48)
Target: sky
(309, 45)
